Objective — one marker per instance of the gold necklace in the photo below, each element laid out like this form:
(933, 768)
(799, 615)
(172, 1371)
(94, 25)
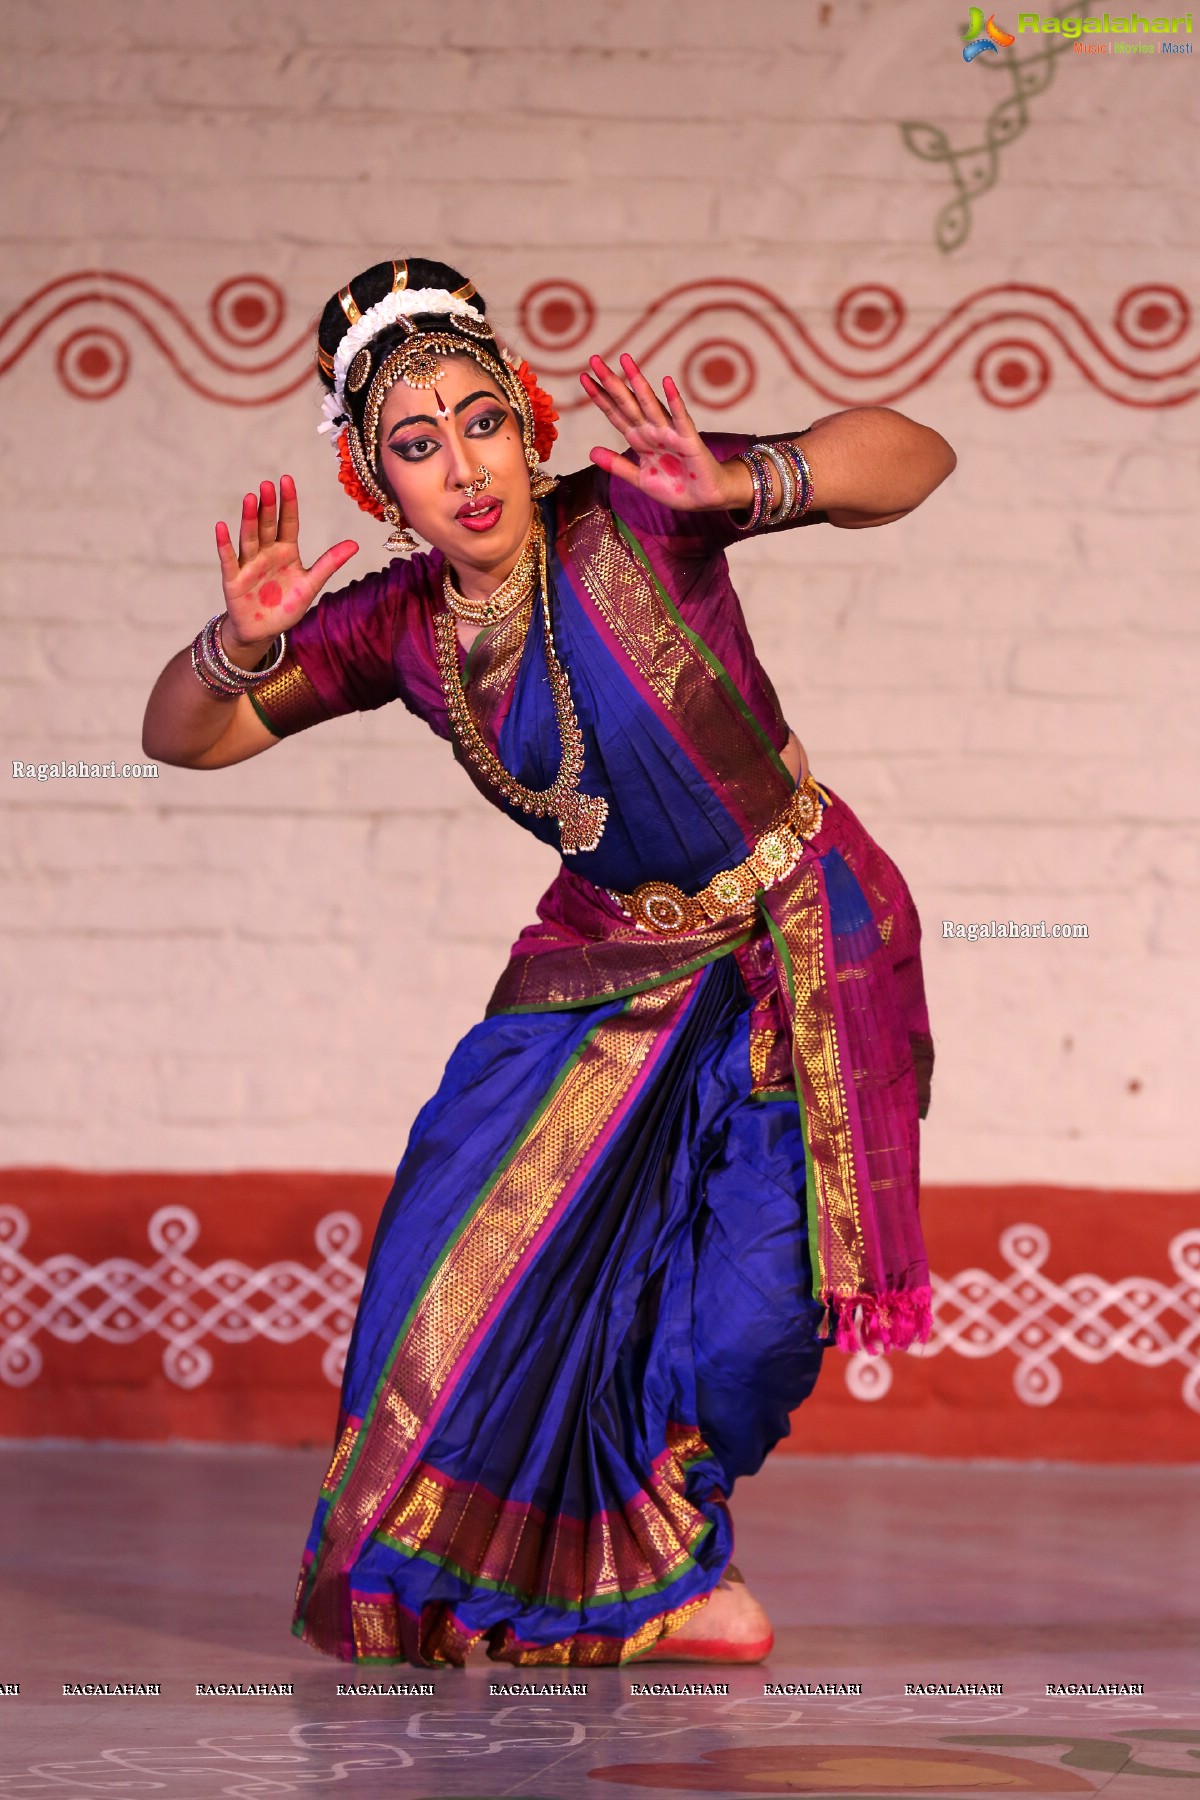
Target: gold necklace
(581, 817)
(505, 599)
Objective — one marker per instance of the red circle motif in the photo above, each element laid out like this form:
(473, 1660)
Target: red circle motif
(249, 311)
(1152, 317)
(556, 315)
(93, 363)
(718, 373)
(246, 310)
(1012, 373)
(869, 316)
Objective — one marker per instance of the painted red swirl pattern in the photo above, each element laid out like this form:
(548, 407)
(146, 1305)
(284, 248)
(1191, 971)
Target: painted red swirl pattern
(726, 338)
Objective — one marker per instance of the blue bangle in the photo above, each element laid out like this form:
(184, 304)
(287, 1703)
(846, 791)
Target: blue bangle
(756, 464)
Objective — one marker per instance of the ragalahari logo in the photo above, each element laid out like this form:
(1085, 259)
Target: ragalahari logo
(983, 37)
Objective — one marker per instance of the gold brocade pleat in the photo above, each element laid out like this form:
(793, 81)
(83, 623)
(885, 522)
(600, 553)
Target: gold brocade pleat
(795, 912)
(559, 1561)
(469, 1282)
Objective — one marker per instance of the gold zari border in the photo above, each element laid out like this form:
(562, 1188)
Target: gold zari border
(671, 665)
(466, 1286)
(341, 1456)
(590, 1650)
(376, 1630)
(558, 1560)
(835, 1217)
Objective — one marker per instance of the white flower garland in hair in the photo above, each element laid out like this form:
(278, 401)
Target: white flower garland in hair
(405, 304)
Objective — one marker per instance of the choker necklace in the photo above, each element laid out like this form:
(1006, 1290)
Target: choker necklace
(581, 817)
(511, 593)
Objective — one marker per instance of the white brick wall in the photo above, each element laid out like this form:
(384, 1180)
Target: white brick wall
(267, 966)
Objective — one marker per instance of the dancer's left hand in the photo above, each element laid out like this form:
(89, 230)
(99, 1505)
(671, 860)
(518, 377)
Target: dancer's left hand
(674, 466)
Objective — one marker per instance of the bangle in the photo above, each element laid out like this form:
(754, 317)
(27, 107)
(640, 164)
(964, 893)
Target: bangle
(224, 678)
(795, 484)
(234, 670)
(787, 484)
(215, 687)
(793, 451)
(756, 464)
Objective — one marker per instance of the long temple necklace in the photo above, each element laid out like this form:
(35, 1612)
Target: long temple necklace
(581, 817)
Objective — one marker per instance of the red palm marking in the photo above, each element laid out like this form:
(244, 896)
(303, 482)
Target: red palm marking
(670, 466)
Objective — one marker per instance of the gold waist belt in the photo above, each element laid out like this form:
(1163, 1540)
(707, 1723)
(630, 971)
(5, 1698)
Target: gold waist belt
(662, 907)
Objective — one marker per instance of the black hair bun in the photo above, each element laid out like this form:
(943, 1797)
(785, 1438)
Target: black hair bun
(374, 284)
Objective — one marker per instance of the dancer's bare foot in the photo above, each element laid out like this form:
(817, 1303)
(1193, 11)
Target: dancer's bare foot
(731, 1626)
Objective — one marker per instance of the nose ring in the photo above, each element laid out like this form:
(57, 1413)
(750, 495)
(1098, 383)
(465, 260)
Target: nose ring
(484, 480)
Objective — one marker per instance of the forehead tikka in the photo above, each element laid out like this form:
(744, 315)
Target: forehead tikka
(418, 365)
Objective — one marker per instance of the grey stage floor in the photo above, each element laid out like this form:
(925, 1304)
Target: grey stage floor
(177, 1566)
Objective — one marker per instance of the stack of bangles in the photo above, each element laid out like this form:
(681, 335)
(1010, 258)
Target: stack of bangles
(223, 678)
(795, 483)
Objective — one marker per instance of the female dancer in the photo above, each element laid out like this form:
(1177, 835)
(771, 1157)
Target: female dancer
(678, 1157)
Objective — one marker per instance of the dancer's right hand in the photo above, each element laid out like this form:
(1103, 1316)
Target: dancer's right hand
(267, 587)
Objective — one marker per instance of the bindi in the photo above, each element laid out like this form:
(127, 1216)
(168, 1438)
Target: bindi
(443, 409)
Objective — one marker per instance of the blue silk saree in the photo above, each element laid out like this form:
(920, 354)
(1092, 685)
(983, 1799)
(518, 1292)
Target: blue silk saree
(662, 1175)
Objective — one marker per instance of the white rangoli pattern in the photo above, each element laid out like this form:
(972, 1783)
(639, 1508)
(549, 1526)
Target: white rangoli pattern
(1138, 1318)
(175, 1298)
(185, 1302)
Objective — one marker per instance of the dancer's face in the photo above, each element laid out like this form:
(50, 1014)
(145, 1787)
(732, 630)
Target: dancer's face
(431, 443)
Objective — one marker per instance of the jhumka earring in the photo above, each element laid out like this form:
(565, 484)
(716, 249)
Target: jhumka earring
(401, 542)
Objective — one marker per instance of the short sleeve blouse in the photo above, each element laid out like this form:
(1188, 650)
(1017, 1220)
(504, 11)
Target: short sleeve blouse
(372, 641)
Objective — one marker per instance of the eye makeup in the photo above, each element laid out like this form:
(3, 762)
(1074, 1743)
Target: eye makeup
(494, 417)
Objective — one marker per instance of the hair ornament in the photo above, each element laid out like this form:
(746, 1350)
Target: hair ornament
(399, 308)
(359, 371)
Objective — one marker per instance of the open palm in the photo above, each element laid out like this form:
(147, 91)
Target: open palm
(674, 466)
(267, 587)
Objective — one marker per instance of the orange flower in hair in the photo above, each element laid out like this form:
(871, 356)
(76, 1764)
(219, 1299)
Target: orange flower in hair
(544, 414)
(348, 476)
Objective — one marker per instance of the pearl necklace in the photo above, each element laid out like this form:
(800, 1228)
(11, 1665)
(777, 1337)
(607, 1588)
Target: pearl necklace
(580, 817)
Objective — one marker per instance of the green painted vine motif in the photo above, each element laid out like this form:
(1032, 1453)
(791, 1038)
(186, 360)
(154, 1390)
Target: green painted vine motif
(975, 169)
